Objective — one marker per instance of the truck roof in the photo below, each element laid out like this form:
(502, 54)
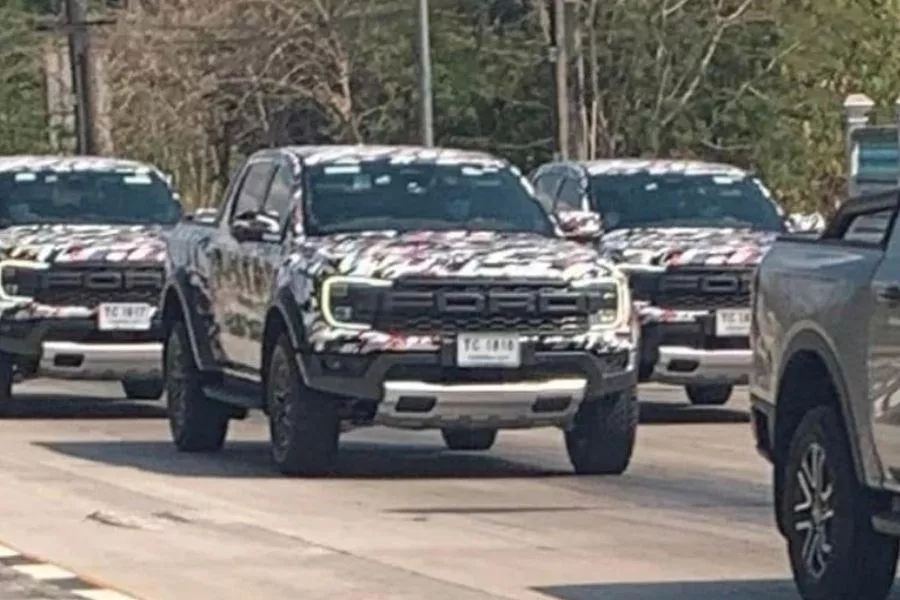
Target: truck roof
(624, 166)
(363, 153)
(70, 163)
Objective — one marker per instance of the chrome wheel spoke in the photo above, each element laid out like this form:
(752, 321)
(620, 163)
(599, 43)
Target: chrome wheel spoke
(813, 510)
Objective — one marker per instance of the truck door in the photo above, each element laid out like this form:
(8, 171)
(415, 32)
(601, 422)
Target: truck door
(231, 259)
(884, 341)
(263, 258)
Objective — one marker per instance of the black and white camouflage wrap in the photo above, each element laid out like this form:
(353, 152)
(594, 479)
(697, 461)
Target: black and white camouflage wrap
(76, 244)
(456, 254)
(71, 245)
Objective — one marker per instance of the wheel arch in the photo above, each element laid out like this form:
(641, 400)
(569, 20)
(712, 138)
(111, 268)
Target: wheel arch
(283, 315)
(175, 307)
(811, 375)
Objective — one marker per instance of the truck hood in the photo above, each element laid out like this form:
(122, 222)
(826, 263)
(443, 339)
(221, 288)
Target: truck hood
(669, 246)
(454, 253)
(83, 243)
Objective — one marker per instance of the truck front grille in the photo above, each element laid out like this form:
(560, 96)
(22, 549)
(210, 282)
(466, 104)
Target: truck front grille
(417, 306)
(89, 286)
(703, 289)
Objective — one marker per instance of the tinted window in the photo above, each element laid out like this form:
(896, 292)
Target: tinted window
(869, 228)
(278, 200)
(570, 194)
(384, 196)
(86, 197)
(253, 189)
(637, 200)
(548, 184)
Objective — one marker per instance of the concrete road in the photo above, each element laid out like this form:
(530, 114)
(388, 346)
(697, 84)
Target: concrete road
(96, 487)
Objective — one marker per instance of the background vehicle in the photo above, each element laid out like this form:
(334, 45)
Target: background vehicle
(689, 235)
(81, 270)
(402, 286)
(826, 359)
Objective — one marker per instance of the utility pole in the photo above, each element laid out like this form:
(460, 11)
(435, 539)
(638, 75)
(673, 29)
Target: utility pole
(426, 102)
(80, 59)
(562, 78)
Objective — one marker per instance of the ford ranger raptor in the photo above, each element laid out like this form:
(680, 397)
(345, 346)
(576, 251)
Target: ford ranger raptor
(825, 394)
(689, 235)
(345, 286)
(81, 270)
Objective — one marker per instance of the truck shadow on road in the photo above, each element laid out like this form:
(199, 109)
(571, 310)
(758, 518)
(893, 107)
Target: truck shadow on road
(43, 406)
(770, 589)
(667, 413)
(681, 590)
(357, 460)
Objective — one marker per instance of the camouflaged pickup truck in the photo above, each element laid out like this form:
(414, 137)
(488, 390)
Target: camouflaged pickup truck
(81, 270)
(409, 287)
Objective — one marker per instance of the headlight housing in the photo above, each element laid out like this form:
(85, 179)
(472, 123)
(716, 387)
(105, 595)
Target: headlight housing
(351, 302)
(20, 279)
(609, 302)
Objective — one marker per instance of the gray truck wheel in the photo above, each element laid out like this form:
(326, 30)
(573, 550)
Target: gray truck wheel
(709, 395)
(304, 424)
(835, 553)
(198, 423)
(602, 438)
(469, 439)
(143, 389)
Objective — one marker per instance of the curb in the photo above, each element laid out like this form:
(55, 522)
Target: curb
(58, 577)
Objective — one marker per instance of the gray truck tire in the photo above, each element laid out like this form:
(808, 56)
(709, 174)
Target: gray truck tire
(469, 439)
(835, 553)
(143, 389)
(197, 422)
(709, 395)
(601, 441)
(304, 424)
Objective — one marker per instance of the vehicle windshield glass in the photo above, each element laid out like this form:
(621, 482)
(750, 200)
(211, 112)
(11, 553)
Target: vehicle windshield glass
(676, 200)
(381, 196)
(86, 197)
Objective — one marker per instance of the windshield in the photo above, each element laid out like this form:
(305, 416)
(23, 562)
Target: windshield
(409, 197)
(675, 200)
(86, 197)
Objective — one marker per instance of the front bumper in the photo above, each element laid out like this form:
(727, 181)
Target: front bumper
(419, 390)
(689, 353)
(73, 348)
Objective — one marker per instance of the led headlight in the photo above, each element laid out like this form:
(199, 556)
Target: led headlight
(609, 301)
(20, 279)
(351, 302)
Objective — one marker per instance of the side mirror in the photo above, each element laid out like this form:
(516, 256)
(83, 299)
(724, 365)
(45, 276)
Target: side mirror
(253, 227)
(580, 225)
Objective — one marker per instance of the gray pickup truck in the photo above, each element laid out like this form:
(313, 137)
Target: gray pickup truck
(825, 385)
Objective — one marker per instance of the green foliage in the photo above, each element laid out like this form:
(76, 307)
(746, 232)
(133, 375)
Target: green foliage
(759, 83)
(22, 114)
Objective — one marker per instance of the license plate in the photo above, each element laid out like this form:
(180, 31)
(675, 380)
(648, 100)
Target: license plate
(124, 317)
(733, 323)
(488, 350)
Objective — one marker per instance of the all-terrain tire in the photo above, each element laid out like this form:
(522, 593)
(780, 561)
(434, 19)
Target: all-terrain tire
(304, 424)
(143, 389)
(828, 503)
(469, 439)
(602, 439)
(198, 423)
(709, 395)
